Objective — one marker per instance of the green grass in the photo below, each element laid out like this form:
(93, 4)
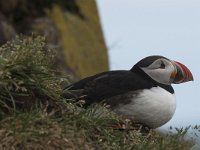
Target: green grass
(26, 77)
(34, 115)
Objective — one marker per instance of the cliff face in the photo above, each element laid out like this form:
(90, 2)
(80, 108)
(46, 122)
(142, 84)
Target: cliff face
(72, 28)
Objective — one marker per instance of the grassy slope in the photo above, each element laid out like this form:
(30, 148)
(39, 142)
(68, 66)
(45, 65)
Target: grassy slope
(35, 116)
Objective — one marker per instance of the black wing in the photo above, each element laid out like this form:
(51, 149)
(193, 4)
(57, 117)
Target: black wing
(108, 84)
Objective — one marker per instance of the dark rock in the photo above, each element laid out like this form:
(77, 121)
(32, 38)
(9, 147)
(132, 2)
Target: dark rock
(7, 32)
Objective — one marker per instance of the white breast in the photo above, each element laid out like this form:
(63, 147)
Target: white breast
(153, 107)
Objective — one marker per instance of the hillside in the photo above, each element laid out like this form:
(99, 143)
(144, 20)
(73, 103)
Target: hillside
(35, 116)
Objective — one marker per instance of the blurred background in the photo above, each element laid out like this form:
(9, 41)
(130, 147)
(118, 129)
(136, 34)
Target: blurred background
(71, 27)
(94, 36)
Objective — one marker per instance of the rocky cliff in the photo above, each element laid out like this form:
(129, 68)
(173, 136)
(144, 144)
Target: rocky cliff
(72, 28)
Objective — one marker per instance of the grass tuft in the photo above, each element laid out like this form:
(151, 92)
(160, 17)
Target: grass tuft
(26, 77)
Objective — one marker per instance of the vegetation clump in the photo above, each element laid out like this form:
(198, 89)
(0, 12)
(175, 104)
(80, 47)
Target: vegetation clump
(35, 116)
(26, 77)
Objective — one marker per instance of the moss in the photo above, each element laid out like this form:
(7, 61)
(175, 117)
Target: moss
(82, 39)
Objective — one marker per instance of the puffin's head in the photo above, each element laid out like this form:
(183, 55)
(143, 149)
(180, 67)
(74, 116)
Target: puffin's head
(164, 70)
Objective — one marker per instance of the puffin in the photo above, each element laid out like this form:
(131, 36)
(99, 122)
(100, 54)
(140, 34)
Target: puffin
(143, 94)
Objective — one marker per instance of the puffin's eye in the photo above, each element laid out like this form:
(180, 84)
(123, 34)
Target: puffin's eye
(162, 65)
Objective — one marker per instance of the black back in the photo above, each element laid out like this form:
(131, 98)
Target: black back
(112, 83)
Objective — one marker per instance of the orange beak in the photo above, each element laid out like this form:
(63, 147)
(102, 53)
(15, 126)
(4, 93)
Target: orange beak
(181, 74)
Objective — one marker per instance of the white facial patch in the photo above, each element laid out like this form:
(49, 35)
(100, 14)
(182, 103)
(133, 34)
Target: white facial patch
(161, 75)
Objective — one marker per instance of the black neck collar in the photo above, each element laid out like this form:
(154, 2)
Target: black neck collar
(139, 71)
